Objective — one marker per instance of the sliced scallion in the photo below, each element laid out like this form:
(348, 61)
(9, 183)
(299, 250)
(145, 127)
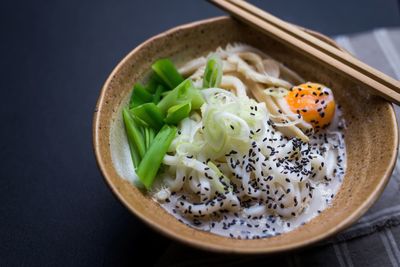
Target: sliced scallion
(151, 162)
(184, 92)
(139, 96)
(135, 138)
(150, 114)
(157, 94)
(213, 72)
(167, 72)
(177, 113)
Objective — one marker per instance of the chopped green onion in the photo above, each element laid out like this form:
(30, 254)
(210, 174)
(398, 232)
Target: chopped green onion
(139, 96)
(152, 134)
(151, 162)
(167, 72)
(148, 136)
(183, 93)
(178, 112)
(157, 94)
(150, 114)
(165, 93)
(153, 83)
(213, 72)
(139, 122)
(135, 138)
(196, 99)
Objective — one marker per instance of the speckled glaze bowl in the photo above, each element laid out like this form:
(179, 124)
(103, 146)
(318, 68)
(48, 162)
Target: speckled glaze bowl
(371, 135)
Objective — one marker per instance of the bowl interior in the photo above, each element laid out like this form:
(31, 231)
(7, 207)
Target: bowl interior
(371, 135)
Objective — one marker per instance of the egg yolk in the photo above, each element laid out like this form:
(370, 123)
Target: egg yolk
(314, 102)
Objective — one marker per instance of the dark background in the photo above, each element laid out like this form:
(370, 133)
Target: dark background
(55, 209)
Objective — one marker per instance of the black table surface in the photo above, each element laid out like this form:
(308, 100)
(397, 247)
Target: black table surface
(55, 209)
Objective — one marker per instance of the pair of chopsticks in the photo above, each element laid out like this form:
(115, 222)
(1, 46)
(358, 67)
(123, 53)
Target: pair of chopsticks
(337, 60)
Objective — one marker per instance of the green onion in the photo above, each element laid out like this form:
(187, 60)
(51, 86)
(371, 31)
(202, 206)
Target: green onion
(196, 99)
(152, 134)
(153, 83)
(167, 72)
(148, 136)
(135, 138)
(183, 93)
(139, 122)
(150, 114)
(213, 72)
(157, 94)
(163, 94)
(139, 96)
(151, 162)
(177, 113)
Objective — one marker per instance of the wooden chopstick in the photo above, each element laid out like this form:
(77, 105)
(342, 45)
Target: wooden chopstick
(311, 46)
(313, 41)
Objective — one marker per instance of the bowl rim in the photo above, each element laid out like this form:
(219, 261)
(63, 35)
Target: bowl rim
(356, 214)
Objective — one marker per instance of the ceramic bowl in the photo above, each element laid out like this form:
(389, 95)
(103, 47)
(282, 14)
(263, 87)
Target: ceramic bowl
(371, 135)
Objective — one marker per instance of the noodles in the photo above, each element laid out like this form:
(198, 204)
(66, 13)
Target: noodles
(246, 165)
